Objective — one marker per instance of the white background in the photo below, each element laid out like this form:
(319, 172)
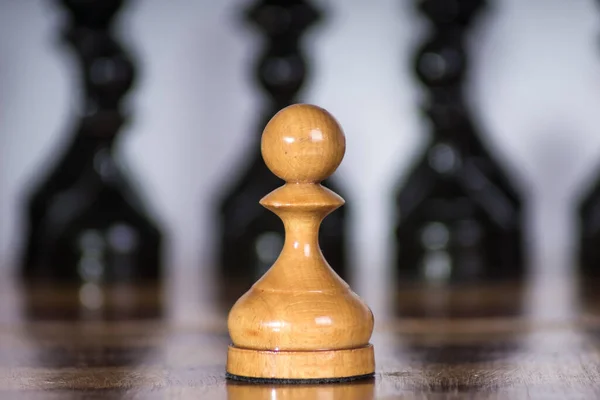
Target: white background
(534, 85)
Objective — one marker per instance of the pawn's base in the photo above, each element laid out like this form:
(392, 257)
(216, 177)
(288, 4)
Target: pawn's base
(326, 365)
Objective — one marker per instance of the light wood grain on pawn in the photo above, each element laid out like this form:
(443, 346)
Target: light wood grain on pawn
(301, 320)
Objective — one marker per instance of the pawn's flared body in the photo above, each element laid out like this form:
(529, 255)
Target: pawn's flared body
(301, 321)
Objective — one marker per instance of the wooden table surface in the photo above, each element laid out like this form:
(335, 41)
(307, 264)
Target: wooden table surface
(536, 339)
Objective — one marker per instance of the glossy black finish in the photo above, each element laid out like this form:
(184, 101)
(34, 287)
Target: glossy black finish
(86, 222)
(459, 215)
(251, 236)
(589, 229)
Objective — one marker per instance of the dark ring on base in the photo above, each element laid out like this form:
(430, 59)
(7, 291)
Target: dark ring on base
(316, 365)
(310, 381)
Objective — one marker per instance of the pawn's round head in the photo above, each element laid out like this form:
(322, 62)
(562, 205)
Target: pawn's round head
(303, 143)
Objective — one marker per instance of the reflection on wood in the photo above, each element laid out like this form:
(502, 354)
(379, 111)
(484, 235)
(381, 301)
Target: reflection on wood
(523, 346)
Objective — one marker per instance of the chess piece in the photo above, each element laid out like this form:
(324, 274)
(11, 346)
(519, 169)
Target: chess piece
(301, 320)
(459, 215)
(589, 230)
(86, 222)
(255, 233)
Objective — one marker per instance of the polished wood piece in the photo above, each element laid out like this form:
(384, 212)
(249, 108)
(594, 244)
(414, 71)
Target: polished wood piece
(301, 320)
(281, 67)
(355, 362)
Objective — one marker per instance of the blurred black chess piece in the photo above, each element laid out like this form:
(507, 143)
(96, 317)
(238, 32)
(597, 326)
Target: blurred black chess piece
(589, 230)
(459, 215)
(251, 236)
(86, 222)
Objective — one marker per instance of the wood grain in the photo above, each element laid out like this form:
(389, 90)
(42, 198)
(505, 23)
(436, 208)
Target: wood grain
(301, 320)
(539, 352)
